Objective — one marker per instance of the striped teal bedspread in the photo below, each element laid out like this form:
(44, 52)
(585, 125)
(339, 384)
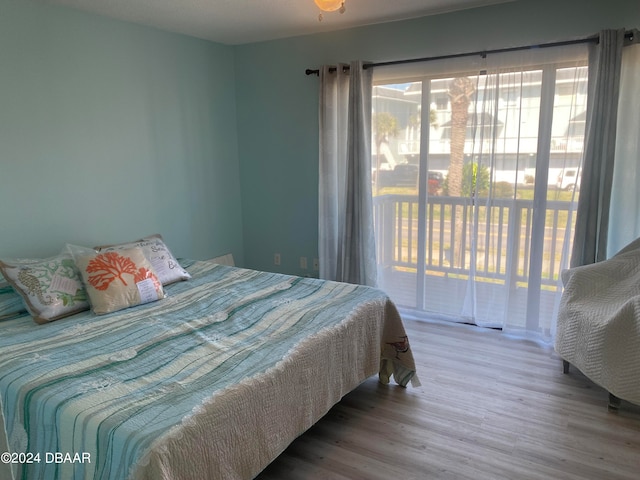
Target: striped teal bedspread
(197, 385)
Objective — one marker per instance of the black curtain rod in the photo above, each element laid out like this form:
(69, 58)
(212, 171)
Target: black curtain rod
(483, 53)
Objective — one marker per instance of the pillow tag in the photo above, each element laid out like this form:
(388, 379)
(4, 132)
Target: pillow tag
(147, 290)
(64, 284)
(160, 266)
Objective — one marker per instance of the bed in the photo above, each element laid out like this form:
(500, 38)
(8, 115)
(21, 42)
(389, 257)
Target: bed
(214, 381)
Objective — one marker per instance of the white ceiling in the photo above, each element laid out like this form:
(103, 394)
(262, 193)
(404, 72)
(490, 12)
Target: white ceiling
(234, 22)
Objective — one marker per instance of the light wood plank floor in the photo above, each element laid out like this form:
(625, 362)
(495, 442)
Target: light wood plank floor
(490, 407)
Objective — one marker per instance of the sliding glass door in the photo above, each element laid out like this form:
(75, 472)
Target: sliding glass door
(476, 173)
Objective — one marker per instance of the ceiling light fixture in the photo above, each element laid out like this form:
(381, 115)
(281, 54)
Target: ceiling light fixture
(330, 6)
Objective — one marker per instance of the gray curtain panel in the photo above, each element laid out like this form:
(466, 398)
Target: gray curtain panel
(346, 234)
(333, 104)
(592, 218)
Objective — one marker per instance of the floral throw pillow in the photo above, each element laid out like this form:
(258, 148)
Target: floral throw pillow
(164, 263)
(51, 288)
(118, 279)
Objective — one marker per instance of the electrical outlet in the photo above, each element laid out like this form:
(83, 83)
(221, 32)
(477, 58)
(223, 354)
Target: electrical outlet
(276, 259)
(316, 264)
(303, 263)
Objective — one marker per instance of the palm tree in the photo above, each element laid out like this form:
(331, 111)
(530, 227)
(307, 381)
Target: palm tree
(461, 91)
(384, 125)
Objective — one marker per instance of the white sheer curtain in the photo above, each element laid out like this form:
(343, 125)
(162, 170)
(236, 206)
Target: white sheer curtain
(346, 235)
(624, 221)
(488, 246)
(526, 104)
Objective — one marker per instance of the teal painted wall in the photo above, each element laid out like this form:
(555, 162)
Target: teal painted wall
(110, 131)
(277, 103)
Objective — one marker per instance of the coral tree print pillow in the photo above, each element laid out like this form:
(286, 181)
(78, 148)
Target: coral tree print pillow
(51, 288)
(164, 263)
(117, 280)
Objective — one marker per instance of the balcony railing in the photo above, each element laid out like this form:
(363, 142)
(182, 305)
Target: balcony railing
(492, 237)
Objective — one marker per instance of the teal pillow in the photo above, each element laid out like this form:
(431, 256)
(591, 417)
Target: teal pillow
(11, 303)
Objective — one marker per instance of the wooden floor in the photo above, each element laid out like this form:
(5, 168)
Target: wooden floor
(490, 407)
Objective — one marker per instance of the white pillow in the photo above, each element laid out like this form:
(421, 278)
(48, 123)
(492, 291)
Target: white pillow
(51, 288)
(164, 263)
